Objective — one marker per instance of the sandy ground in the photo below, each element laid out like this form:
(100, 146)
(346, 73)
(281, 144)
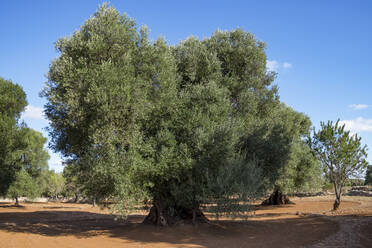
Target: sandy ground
(308, 223)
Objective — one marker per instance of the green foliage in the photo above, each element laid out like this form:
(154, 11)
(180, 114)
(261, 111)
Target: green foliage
(234, 189)
(73, 187)
(277, 143)
(182, 126)
(51, 184)
(21, 149)
(341, 154)
(23, 185)
(327, 186)
(302, 173)
(354, 182)
(12, 103)
(56, 184)
(33, 159)
(368, 179)
(34, 156)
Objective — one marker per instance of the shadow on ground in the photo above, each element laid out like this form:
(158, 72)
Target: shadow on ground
(12, 206)
(292, 232)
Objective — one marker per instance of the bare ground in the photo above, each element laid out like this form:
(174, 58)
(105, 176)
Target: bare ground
(309, 223)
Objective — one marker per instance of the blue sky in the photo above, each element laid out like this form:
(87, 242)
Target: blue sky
(320, 49)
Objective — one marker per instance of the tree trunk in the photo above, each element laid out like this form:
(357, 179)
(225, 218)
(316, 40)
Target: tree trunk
(17, 201)
(277, 198)
(338, 192)
(76, 198)
(193, 216)
(160, 215)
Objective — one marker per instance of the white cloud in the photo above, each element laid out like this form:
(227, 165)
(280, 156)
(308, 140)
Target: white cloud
(358, 106)
(55, 162)
(273, 65)
(287, 65)
(33, 112)
(358, 125)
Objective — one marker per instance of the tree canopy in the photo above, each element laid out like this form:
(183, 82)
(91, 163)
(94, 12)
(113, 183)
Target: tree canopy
(181, 125)
(22, 154)
(341, 154)
(23, 185)
(12, 103)
(34, 156)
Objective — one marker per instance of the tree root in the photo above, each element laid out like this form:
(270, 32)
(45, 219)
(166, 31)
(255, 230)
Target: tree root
(277, 198)
(160, 216)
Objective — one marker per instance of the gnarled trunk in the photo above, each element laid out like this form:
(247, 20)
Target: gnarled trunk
(338, 192)
(17, 201)
(277, 198)
(163, 215)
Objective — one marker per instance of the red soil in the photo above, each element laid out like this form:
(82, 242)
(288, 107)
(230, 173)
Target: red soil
(307, 223)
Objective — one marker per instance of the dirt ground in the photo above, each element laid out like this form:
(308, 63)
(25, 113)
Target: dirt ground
(308, 223)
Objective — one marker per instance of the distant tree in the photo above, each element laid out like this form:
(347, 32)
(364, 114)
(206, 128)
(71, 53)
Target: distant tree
(302, 173)
(285, 149)
(21, 148)
(43, 183)
(23, 185)
(341, 154)
(33, 160)
(354, 182)
(12, 103)
(368, 179)
(52, 184)
(34, 156)
(57, 184)
(73, 187)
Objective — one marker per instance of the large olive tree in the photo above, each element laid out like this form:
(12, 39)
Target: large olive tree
(180, 125)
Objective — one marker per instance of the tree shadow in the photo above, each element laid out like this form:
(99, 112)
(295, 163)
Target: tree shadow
(12, 206)
(271, 207)
(58, 223)
(256, 233)
(246, 207)
(59, 207)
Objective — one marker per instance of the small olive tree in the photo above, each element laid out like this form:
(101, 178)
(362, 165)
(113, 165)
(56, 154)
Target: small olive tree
(341, 154)
(23, 185)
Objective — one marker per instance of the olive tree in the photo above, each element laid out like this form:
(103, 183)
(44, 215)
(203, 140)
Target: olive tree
(21, 148)
(12, 103)
(301, 170)
(341, 154)
(73, 186)
(34, 157)
(181, 126)
(278, 145)
(23, 186)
